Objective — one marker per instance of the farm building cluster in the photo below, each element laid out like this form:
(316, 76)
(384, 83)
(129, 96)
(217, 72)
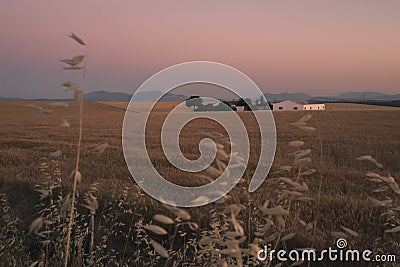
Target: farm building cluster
(296, 105)
(244, 105)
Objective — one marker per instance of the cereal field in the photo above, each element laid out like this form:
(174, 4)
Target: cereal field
(316, 192)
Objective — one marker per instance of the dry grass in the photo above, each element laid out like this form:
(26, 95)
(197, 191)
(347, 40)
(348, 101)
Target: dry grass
(336, 195)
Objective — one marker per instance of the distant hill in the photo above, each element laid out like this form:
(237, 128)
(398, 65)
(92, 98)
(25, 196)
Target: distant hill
(347, 96)
(105, 96)
(34, 99)
(287, 96)
(367, 96)
(151, 96)
(10, 98)
(148, 96)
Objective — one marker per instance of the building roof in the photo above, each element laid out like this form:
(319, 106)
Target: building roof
(300, 102)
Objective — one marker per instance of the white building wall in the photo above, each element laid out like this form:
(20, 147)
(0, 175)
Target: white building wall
(314, 107)
(287, 105)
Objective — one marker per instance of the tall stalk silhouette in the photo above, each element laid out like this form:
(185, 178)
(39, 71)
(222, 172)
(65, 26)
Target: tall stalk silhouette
(77, 62)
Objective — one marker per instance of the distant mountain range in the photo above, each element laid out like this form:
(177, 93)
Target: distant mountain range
(151, 96)
(287, 96)
(148, 96)
(105, 96)
(347, 96)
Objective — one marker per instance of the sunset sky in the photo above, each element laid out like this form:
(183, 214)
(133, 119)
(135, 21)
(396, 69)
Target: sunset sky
(318, 47)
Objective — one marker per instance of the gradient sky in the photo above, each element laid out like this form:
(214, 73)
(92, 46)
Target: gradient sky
(319, 47)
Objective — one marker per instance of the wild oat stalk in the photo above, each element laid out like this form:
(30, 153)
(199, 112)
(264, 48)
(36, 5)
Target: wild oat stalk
(73, 64)
(390, 188)
(295, 190)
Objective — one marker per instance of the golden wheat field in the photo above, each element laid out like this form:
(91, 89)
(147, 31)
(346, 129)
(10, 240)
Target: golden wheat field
(316, 192)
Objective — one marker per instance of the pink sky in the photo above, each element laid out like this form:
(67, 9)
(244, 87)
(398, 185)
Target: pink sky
(319, 47)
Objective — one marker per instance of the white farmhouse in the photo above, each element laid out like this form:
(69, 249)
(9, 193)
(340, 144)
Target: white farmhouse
(288, 105)
(314, 107)
(297, 105)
